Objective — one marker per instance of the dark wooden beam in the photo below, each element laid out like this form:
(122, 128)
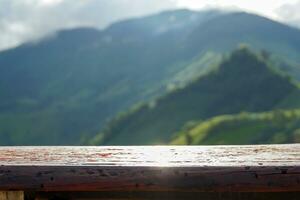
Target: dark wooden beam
(165, 196)
(274, 168)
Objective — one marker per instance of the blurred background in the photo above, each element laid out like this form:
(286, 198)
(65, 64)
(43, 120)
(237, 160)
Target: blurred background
(140, 72)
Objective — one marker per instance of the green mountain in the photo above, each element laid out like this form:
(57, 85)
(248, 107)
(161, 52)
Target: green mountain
(243, 82)
(62, 90)
(280, 126)
(65, 88)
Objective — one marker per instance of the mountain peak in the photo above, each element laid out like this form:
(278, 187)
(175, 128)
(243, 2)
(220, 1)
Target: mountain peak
(244, 61)
(162, 22)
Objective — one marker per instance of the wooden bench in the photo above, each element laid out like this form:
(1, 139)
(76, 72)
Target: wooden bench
(150, 172)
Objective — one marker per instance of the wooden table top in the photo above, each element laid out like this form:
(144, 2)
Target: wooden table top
(264, 168)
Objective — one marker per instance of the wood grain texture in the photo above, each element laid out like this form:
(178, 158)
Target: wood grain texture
(274, 168)
(11, 195)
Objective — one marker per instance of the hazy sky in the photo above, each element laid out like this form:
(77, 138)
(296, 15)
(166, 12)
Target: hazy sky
(24, 20)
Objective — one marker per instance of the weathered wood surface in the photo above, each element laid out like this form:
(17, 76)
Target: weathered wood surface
(11, 195)
(274, 168)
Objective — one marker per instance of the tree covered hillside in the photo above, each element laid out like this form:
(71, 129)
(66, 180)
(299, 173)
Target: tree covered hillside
(243, 82)
(275, 127)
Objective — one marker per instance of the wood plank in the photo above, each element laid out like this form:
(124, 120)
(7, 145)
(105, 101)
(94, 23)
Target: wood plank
(264, 168)
(168, 195)
(161, 156)
(11, 195)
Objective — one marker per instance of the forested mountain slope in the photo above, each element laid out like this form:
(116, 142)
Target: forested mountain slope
(243, 82)
(275, 127)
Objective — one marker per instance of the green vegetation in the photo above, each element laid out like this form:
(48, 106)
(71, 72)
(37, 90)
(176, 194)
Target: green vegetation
(275, 127)
(63, 90)
(243, 82)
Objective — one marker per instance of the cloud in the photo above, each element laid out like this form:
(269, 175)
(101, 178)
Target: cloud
(25, 20)
(265, 7)
(290, 12)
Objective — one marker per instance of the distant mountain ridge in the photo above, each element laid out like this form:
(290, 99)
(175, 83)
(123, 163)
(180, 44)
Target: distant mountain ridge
(64, 89)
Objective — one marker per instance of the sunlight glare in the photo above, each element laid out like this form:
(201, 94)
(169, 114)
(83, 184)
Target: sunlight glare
(50, 2)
